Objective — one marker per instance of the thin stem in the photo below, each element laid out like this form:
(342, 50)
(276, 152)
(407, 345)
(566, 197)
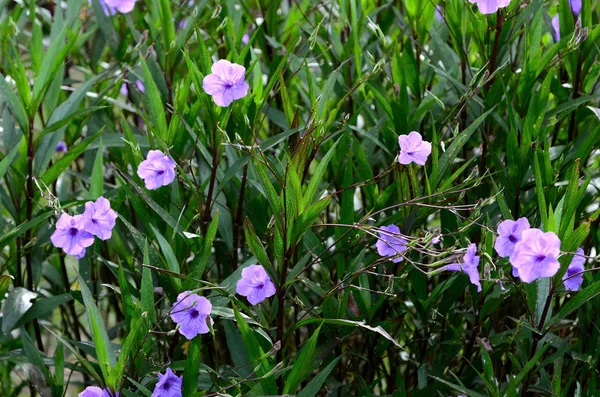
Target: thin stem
(494, 57)
(238, 217)
(213, 177)
(28, 235)
(536, 339)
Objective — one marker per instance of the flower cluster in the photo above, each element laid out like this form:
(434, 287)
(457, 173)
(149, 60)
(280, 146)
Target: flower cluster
(75, 233)
(534, 254)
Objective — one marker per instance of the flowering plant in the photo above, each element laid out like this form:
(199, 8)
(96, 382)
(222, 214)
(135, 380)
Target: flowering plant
(309, 198)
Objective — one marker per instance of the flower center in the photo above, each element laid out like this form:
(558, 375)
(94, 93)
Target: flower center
(160, 172)
(166, 385)
(540, 258)
(228, 85)
(571, 271)
(513, 239)
(194, 313)
(73, 232)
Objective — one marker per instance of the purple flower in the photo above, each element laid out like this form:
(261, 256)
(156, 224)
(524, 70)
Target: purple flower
(490, 6)
(509, 234)
(169, 385)
(536, 255)
(575, 6)
(255, 284)
(61, 147)
(140, 85)
(469, 266)
(226, 82)
(71, 236)
(390, 244)
(99, 218)
(438, 13)
(515, 272)
(111, 7)
(157, 170)
(123, 90)
(556, 27)
(191, 312)
(95, 391)
(413, 149)
(123, 6)
(573, 278)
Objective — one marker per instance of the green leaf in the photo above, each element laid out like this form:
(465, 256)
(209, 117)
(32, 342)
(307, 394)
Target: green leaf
(539, 191)
(348, 323)
(97, 184)
(65, 162)
(154, 259)
(82, 360)
(573, 304)
(147, 294)
(35, 358)
(453, 150)
(270, 194)
(57, 52)
(7, 160)
(153, 99)
(4, 285)
(17, 303)
(59, 369)
(301, 366)
(128, 346)
(128, 305)
(23, 227)
(198, 266)
(171, 259)
(543, 294)
(528, 367)
(315, 385)
(16, 107)
(307, 219)
(256, 245)
(168, 28)
(256, 354)
(106, 357)
(152, 204)
(459, 388)
(43, 307)
(64, 111)
(192, 367)
(315, 180)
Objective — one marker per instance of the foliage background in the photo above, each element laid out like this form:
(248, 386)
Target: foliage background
(295, 176)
